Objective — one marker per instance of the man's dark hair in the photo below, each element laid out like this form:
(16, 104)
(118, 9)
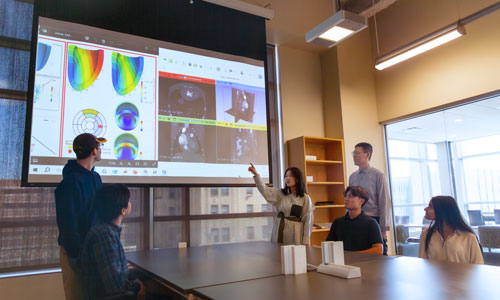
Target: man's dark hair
(357, 191)
(110, 200)
(366, 148)
(84, 144)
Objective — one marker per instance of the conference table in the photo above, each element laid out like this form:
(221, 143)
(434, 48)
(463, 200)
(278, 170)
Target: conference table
(253, 271)
(185, 269)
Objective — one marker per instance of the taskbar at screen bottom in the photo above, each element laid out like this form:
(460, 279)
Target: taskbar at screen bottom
(34, 180)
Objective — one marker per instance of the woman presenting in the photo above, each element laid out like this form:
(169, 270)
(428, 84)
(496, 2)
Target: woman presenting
(293, 224)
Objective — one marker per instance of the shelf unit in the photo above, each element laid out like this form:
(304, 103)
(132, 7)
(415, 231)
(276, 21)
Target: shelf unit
(328, 171)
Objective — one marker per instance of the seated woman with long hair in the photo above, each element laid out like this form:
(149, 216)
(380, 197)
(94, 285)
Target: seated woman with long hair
(448, 238)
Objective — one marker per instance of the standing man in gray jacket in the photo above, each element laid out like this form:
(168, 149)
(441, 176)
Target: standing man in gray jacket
(375, 183)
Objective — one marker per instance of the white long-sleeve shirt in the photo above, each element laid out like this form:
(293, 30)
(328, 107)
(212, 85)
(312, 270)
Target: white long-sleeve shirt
(379, 199)
(460, 247)
(284, 204)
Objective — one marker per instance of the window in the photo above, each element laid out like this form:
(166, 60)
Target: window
(214, 209)
(266, 232)
(226, 237)
(214, 192)
(200, 230)
(265, 207)
(214, 233)
(225, 209)
(249, 208)
(172, 211)
(452, 152)
(224, 191)
(477, 169)
(168, 234)
(250, 233)
(249, 191)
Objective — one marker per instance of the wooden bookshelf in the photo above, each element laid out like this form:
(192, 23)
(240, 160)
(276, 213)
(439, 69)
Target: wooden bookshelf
(329, 179)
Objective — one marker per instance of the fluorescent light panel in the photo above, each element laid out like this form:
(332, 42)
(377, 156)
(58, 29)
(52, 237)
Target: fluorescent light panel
(336, 33)
(336, 28)
(421, 47)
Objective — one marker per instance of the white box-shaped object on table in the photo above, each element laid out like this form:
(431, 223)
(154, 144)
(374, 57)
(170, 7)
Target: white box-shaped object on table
(332, 252)
(340, 270)
(293, 259)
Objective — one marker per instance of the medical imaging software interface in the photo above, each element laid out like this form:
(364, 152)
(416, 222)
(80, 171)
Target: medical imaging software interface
(168, 112)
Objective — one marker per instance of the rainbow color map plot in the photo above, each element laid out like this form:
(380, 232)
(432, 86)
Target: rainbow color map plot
(127, 116)
(126, 147)
(43, 53)
(39, 90)
(126, 72)
(89, 121)
(83, 66)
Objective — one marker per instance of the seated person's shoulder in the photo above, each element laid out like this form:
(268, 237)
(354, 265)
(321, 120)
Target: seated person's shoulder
(99, 231)
(338, 220)
(370, 221)
(468, 235)
(423, 234)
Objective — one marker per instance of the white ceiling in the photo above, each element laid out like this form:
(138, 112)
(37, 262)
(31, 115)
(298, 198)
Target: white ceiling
(475, 120)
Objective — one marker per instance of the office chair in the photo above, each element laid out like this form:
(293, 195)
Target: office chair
(489, 236)
(475, 217)
(497, 216)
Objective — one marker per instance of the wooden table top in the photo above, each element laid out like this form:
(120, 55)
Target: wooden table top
(185, 269)
(405, 278)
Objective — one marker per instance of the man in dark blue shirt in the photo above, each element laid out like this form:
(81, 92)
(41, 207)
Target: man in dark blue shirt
(103, 261)
(356, 230)
(73, 207)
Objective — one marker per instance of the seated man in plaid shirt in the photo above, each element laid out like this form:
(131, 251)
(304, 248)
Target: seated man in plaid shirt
(103, 261)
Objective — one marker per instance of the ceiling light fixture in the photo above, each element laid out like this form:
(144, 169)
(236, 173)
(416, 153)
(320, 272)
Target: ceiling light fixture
(432, 40)
(336, 28)
(422, 45)
(245, 7)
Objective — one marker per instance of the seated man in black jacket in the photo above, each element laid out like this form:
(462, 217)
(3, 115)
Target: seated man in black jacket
(358, 231)
(103, 261)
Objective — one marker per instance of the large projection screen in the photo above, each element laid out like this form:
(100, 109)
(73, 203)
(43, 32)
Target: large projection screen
(171, 114)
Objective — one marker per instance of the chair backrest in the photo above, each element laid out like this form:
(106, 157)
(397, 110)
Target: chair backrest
(497, 216)
(402, 233)
(489, 236)
(405, 220)
(475, 217)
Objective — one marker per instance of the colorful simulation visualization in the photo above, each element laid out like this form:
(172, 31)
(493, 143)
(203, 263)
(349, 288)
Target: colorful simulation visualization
(89, 121)
(126, 147)
(126, 72)
(39, 89)
(127, 116)
(83, 66)
(43, 53)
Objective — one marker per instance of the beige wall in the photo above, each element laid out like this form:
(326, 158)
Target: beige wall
(463, 68)
(358, 99)
(39, 287)
(331, 95)
(358, 102)
(301, 94)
